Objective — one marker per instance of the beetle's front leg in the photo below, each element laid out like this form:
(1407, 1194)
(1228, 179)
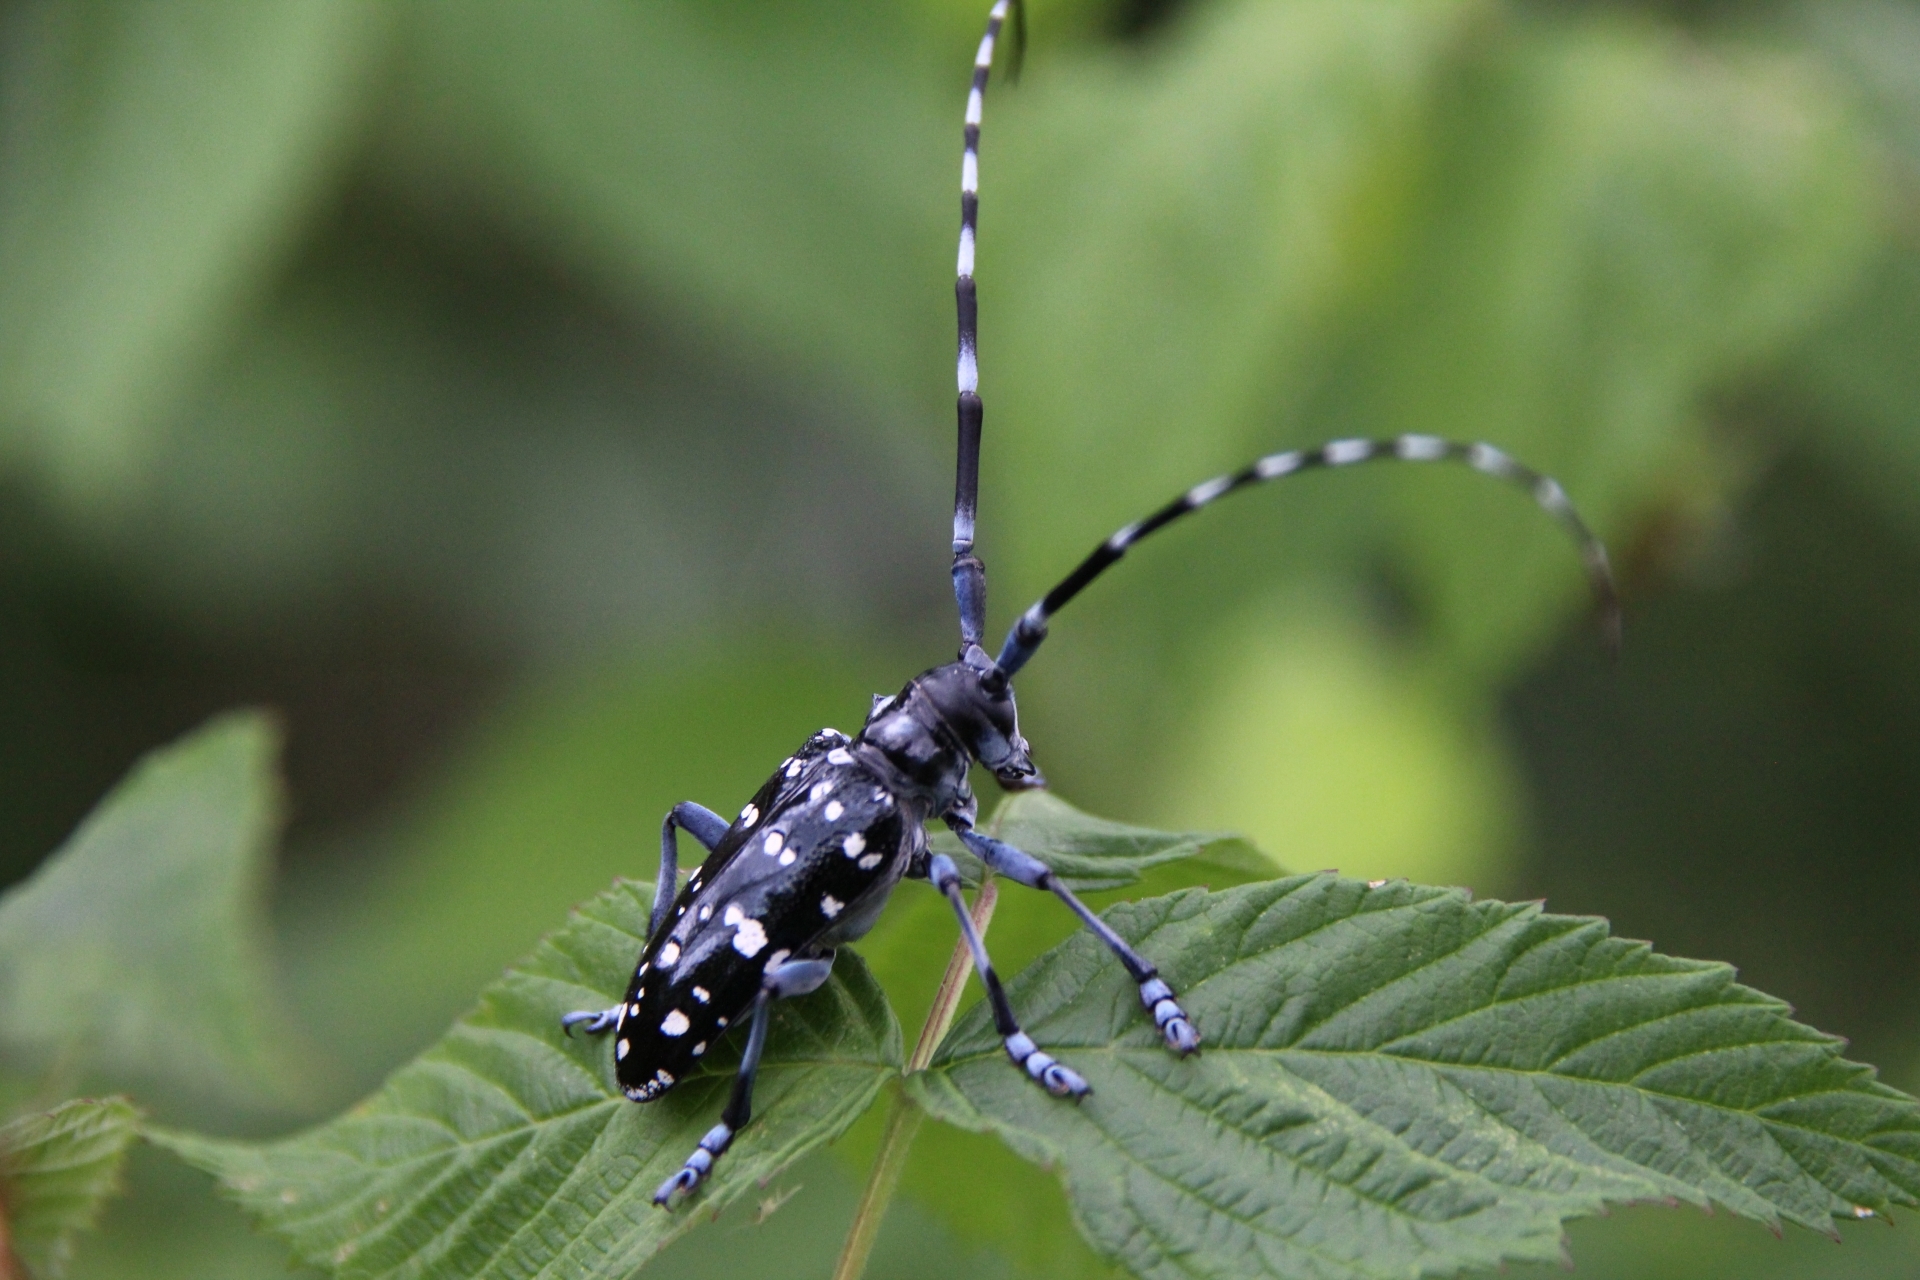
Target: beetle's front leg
(1176, 1028)
(792, 978)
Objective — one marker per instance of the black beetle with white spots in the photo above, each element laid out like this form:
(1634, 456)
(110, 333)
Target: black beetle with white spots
(812, 859)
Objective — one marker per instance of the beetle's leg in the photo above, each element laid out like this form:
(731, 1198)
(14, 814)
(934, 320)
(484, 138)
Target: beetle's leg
(1022, 867)
(595, 1021)
(793, 978)
(702, 824)
(1052, 1075)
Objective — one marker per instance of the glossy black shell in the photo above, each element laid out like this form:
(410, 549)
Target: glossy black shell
(807, 864)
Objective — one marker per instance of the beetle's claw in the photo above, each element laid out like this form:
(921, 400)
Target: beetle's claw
(683, 1181)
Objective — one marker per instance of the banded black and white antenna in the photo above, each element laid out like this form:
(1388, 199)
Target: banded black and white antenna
(1031, 629)
(969, 575)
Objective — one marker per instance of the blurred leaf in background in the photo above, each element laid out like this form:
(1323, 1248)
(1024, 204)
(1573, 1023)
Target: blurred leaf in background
(548, 409)
(136, 955)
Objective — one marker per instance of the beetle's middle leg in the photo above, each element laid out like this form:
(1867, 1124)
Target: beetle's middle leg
(702, 824)
(791, 978)
(1049, 1072)
(1176, 1028)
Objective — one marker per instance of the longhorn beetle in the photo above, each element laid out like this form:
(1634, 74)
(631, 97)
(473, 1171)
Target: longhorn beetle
(812, 859)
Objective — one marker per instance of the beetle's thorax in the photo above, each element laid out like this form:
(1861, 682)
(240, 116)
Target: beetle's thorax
(933, 730)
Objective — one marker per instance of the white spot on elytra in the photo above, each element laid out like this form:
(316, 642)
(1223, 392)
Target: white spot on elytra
(839, 755)
(720, 1022)
(749, 816)
(706, 913)
(700, 1048)
(856, 844)
(869, 862)
(675, 1024)
(834, 810)
(793, 768)
(749, 937)
(669, 955)
(786, 859)
(733, 914)
(633, 1010)
(701, 994)
(774, 841)
(820, 791)
(620, 1051)
(830, 905)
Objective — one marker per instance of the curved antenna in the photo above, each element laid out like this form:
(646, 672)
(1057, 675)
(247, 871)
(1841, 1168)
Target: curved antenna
(969, 575)
(1031, 629)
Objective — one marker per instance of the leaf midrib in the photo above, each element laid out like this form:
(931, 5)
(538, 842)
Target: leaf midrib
(1117, 1050)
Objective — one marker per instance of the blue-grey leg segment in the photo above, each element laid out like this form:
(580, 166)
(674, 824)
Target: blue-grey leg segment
(1176, 1028)
(702, 824)
(793, 978)
(1051, 1074)
(596, 1020)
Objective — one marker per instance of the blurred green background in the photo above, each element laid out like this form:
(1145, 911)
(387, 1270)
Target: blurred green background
(548, 409)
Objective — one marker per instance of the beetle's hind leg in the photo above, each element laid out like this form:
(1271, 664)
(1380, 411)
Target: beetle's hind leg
(793, 978)
(704, 825)
(1049, 1072)
(1176, 1028)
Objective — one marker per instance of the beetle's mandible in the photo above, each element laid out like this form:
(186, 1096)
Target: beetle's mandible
(810, 862)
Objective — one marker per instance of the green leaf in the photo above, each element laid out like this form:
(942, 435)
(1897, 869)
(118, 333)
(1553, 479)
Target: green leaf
(1399, 1081)
(136, 953)
(505, 1150)
(1092, 854)
(56, 1171)
(158, 160)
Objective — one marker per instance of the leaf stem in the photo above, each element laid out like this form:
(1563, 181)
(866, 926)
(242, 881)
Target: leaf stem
(904, 1117)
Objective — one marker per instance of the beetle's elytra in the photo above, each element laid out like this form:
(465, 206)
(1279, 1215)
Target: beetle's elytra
(811, 860)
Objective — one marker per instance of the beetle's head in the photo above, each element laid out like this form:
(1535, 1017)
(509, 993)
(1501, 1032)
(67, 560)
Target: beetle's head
(975, 697)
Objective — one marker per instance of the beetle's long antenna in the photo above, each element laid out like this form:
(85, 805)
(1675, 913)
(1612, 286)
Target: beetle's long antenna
(1031, 629)
(969, 575)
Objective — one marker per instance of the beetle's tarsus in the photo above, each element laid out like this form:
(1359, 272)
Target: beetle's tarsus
(691, 1174)
(1176, 1028)
(595, 1021)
